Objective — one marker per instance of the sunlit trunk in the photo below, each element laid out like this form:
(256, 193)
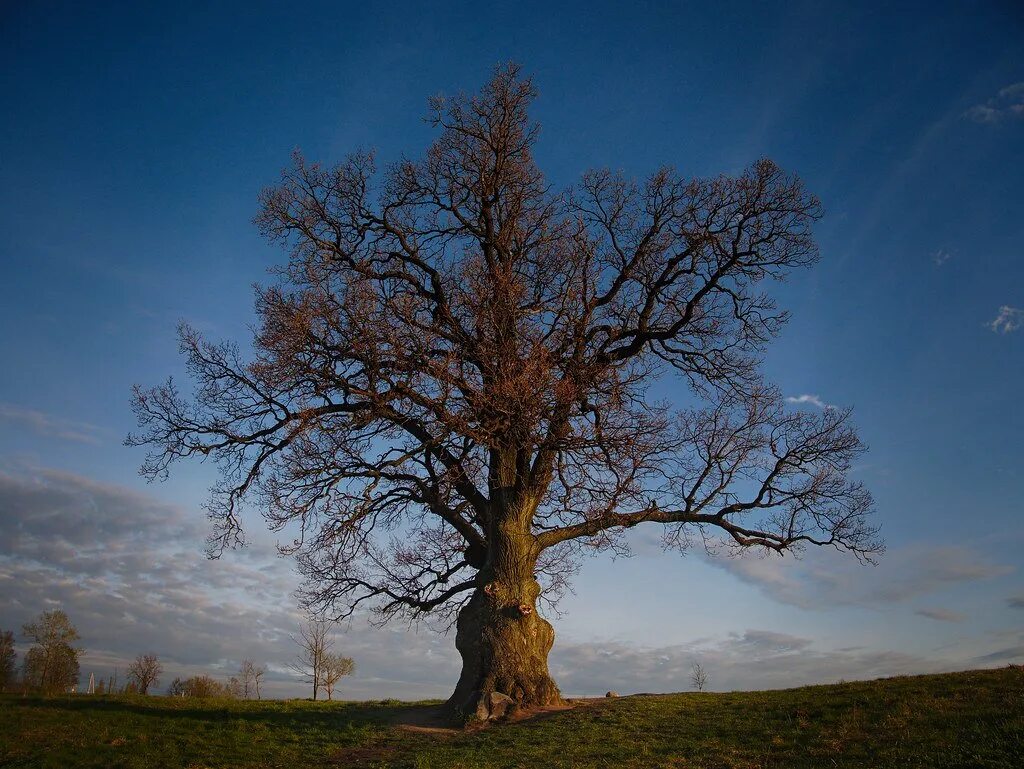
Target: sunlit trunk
(503, 642)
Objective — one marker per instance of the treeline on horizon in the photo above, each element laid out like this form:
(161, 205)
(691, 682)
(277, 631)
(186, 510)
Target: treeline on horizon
(52, 666)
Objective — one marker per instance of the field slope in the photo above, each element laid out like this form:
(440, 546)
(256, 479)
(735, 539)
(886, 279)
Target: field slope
(971, 719)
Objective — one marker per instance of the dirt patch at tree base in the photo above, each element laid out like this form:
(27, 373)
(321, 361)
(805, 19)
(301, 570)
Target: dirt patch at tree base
(436, 719)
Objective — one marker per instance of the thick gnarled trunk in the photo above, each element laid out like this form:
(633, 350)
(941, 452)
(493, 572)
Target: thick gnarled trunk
(504, 643)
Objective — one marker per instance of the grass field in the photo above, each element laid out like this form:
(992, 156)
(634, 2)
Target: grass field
(972, 719)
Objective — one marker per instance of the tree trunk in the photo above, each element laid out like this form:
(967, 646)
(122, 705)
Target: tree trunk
(503, 642)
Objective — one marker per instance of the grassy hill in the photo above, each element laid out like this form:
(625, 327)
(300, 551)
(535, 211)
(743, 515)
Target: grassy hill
(971, 719)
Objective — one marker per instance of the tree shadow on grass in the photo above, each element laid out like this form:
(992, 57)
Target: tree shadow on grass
(301, 714)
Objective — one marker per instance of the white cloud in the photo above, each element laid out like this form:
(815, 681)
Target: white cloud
(1008, 103)
(814, 400)
(940, 257)
(48, 425)
(1009, 319)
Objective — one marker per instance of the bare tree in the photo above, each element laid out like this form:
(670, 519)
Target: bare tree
(698, 677)
(51, 665)
(8, 660)
(257, 679)
(335, 667)
(450, 392)
(314, 646)
(233, 688)
(250, 676)
(247, 677)
(145, 672)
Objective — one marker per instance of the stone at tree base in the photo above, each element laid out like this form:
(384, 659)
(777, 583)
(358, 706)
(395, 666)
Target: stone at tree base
(611, 694)
(490, 707)
(499, 704)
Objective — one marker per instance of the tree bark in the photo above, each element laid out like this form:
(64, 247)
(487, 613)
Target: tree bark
(504, 643)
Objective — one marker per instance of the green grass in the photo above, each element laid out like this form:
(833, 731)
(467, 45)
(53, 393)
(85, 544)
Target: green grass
(972, 719)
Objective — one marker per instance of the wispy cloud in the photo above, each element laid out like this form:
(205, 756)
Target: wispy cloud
(48, 425)
(941, 615)
(940, 257)
(1008, 103)
(819, 579)
(1016, 601)
(814, 400)
(753, 659)
(1009, 319)
(1010, 654)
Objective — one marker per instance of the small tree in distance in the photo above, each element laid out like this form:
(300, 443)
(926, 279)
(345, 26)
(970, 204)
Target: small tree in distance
(698, 677)
(335, 667)
(145, 672)
(201, 687)
(257, 674)
(51, 664)
(249, 676)
(233, 688)
(314, 646)
(461, 354)
(8, 660)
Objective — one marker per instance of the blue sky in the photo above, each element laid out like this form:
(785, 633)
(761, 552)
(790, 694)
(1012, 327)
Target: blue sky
(133, 145)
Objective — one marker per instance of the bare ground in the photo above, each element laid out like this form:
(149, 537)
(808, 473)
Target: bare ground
(433, 719)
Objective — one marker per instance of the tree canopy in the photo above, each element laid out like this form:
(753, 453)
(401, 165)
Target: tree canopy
(456, 364)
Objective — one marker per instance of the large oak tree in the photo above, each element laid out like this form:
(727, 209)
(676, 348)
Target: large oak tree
(449, 399)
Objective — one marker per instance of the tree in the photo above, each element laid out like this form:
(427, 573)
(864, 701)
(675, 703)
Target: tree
(233, 688)
(314, 646)
(450, 395)
(250, 676)
(101, 687)
(145, 672)
(8, 660)
(335, 667)
(698, 677)
(257, 677)
(201, 687)
(245, 677)
(51, 665)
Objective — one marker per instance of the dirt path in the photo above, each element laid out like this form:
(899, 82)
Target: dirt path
(427, 719)
(432, 719)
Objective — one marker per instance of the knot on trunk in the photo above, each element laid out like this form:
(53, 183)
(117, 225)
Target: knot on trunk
(525, 610)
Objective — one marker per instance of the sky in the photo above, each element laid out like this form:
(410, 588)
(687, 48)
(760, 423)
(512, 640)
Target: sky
(134, 142)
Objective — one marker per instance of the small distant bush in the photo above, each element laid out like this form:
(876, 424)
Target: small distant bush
(200, 687)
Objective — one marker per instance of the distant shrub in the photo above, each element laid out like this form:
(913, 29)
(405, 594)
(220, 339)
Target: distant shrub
(200, 687)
